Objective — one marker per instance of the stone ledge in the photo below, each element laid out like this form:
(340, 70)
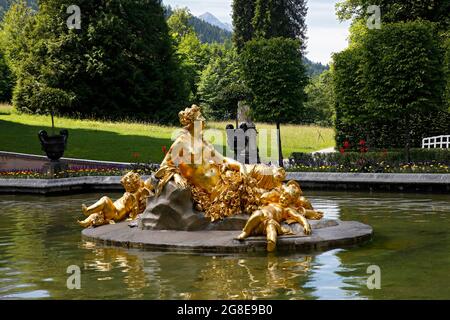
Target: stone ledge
(345, 233)
(64, 185)
(391, 182)
(310, 180)
(388, 178)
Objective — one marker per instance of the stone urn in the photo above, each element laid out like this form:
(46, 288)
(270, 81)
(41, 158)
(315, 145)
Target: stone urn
(53, 145)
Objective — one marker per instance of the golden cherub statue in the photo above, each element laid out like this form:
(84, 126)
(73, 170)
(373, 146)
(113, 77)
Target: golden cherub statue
(280, 205)
(132, 203)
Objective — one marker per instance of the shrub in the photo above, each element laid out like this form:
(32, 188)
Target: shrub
(6, 81)
(422, 160)
(390, 87)
(50, 100)
(274, 72)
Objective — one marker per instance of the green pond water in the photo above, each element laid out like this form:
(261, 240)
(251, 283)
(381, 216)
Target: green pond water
(39, 240)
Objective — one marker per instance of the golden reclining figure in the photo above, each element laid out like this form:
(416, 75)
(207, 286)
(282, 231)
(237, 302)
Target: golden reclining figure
(132, 203)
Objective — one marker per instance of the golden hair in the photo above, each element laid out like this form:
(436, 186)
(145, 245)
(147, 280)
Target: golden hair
(189, 115)
(131, 179)
(293, 189)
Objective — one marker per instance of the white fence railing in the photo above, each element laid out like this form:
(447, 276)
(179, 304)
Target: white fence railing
(440, 142)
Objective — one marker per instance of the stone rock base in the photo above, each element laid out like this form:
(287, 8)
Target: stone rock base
(326, 234)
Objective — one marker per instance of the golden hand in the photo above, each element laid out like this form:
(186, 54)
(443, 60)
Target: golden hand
(180, 181)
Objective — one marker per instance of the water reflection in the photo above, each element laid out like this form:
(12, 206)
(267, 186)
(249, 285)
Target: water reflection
(170, 276)
(175, 276)
(39, 239)
(328, 279)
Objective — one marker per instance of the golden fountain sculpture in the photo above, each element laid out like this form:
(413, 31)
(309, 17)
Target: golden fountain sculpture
(220, 187)
(132, 203)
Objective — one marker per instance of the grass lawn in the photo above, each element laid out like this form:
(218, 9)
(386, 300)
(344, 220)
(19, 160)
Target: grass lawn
(131, 142)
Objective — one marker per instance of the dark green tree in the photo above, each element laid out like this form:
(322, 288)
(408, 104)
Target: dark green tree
(120, 64)
(275, 74)
(268, 19)
(243, 13)
(389, 86)
(398, 10)
(319, 106)
(6, 80)
(194, 55)
(404, 76)
(221, 86)
(447, 69)
(280, 18)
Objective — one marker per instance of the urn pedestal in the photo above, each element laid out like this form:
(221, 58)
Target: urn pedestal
(54, 147)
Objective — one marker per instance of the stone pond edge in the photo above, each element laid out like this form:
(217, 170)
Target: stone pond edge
(309, 180)
(346, 234)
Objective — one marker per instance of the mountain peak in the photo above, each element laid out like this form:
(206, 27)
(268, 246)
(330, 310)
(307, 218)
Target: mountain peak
(212, 19)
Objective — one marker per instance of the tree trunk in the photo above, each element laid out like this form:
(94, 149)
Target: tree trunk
(53, 123)
(408, 140)
(280, 149)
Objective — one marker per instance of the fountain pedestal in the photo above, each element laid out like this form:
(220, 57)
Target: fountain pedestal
(170, 223)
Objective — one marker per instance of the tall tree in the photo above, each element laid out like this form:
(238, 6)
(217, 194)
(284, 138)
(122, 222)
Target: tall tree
(280, 18)
(398, 10)
(6, 80)
(221, 86)
(389, 86)
(274, 72)
(243, 13)
(268, 19)
(194, 55)
(120, 64)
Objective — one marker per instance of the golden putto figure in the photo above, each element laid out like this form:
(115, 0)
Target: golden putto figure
(132, 203)
(281, 206)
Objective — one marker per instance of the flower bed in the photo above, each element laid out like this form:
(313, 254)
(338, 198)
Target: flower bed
(422, 161)
(142, 169)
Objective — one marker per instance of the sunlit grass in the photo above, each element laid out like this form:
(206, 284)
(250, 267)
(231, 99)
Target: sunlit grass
(131, 141)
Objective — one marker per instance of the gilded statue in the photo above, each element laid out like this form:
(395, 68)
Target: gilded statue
(280, 206)
(220, 187)
(132, 203)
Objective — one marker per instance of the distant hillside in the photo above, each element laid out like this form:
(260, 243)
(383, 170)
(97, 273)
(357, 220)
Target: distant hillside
(5, 4)
(206, 32)
(211, 19)
(314, 68)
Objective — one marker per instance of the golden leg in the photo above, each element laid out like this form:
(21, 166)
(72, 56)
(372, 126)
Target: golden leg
(95, 219)
(105, 204)
(272, 234)
(252, 223)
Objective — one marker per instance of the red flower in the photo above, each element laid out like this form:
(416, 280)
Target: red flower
(346, 144)
(342, 150)
(164, 149)
(362, 142)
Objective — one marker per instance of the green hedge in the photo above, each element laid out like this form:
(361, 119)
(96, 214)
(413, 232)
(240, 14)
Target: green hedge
(390, 87)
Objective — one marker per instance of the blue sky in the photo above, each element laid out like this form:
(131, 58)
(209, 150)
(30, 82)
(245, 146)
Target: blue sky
(326, 34)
